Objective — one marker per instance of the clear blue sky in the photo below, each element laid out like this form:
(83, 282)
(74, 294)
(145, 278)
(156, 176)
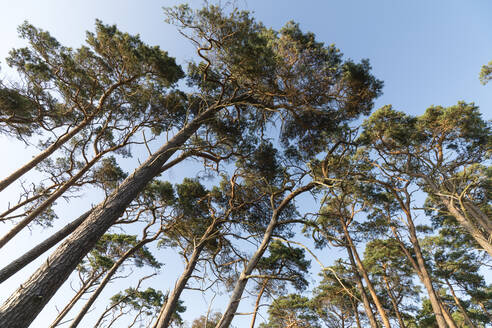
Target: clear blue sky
(426, 52)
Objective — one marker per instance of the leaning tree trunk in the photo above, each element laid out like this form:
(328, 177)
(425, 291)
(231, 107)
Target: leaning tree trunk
(48, 202)
(16, 265)
(363, 271)
(485, 241)
(237, 293)
(43, 155)
(167, 311)
(22, 307)
(393, 299)
(360, 286)
(257, 303)
(107, 279)
(460, 306)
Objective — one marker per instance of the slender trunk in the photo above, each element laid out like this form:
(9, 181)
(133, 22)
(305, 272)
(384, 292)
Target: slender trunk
(23, 305)
(436, 308)
(393, 300)
(50, 200)
(427, 281)
(257, 303)
(16, 265)
(237, 293)
(363, 271)
(25, 202)
(167, 310)
(360, 285)
(356, 313)
(106, 280)
(88, 284)
(43, 155)
(460, 306)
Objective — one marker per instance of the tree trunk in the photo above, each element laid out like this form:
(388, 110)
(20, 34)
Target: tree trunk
(85, 287)
(356, 313)
(23, 305)
(436, 307)
(106, 280)
(43, 155)
(237, 293)
(460, 306)
(483, 240)
(39, 249)
(360, 285)
(50, 200)
(167, 310)
(393, 300)
(363, 271)
(257, 303)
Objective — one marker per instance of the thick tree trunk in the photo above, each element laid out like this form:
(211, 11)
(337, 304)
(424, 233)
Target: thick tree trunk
(257, 303)
(237, 293)
(106, 280)
(50, 200)
(42, 247)
(363, 271)
(167, 310)
(362, 290)
(23, 306)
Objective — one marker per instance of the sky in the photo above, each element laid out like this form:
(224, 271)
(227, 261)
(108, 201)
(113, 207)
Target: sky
(426, 52)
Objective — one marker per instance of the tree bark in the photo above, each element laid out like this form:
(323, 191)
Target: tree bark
(167, 310)
(88, 284)
(106, 280)
(237, 293)
(23, 305)
(363, 271)
(360, 285)
(50, 200)
(484, 241)
(43, 155)
(393, 300)
(460, 306)
(257, 303)
(39, 249)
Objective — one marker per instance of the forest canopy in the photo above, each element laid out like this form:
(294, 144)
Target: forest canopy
(285, 156)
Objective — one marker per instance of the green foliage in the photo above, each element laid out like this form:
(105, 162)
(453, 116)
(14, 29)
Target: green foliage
(486, 73)
(292, 310)
(204, 322)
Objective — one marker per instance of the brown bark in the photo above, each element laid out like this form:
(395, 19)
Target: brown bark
(16, 265)
(50, 200)
(23, 305)
(393, 300)
(363, 271)
(61, 140)
(460, 306)
(485, 241)
(360, 286)
(237, 293)
(257, 303)
(107, 278)
(85, 287)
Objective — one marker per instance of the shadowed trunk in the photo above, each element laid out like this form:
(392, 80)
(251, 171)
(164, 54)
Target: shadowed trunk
(16, 265)
(23, 305)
